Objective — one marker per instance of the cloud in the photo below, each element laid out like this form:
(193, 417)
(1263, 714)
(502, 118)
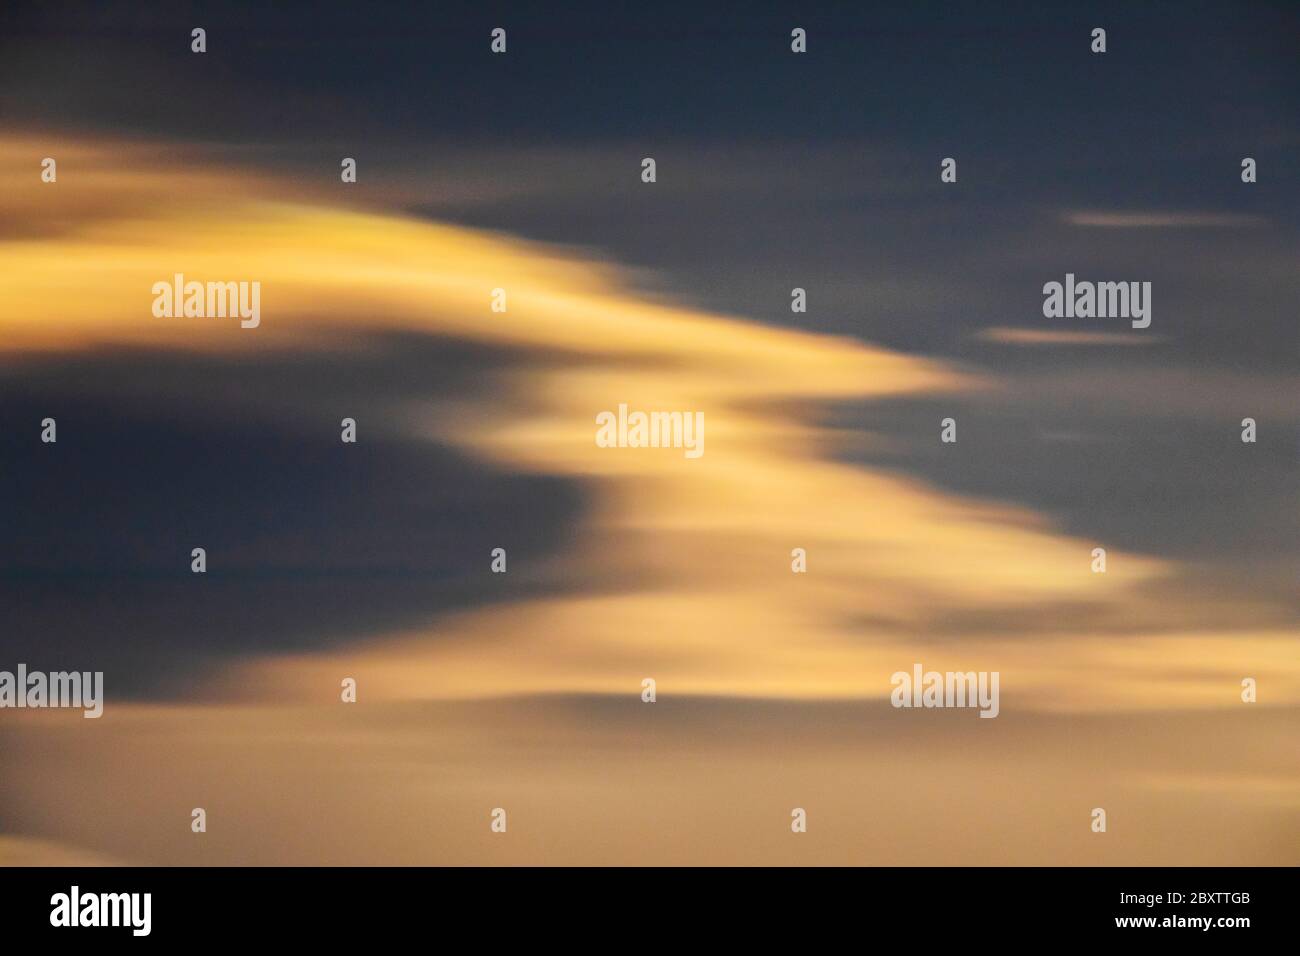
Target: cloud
(607, 780)
(1012, 336)
(478, 431)
(29, 851)
(1118, 219)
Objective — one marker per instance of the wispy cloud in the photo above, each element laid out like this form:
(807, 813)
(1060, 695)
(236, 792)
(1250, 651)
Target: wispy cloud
(677, 569)
(1137, 219)
(1005, 335)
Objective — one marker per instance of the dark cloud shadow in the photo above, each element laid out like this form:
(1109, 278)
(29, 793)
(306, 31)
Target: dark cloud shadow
(310, 542)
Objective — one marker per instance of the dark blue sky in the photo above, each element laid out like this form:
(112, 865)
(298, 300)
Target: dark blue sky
(994, 77)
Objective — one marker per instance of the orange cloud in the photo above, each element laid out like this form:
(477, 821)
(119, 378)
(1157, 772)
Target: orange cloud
(713, 610)
(724, 614)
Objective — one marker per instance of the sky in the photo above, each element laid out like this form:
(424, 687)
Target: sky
(523, 690)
